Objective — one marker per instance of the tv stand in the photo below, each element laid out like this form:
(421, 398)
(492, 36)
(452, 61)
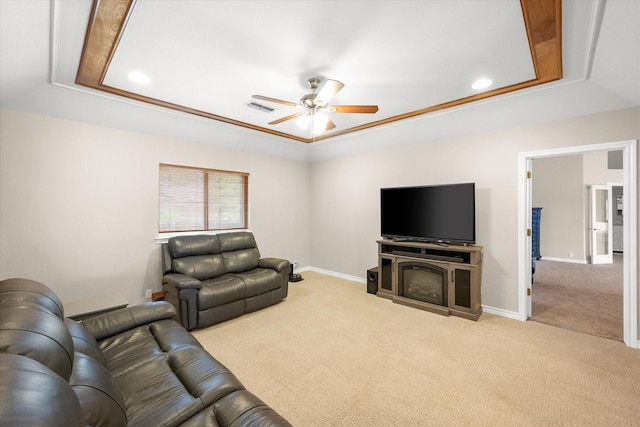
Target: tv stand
(458, 266)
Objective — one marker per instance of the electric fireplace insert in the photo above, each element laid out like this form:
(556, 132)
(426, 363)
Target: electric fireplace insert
(423, 281)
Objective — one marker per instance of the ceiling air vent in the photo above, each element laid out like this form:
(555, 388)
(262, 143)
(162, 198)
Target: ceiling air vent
(260, 107)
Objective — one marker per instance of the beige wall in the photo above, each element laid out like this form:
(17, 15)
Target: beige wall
(596, 169)
(558, 189)
(345, 193)
(79, 203)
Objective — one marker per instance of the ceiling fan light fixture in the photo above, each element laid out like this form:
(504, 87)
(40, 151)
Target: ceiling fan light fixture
(303, 121)
(315, 118)
(319, 122)
(482, 83)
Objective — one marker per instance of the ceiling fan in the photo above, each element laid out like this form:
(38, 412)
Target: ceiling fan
(316, 106)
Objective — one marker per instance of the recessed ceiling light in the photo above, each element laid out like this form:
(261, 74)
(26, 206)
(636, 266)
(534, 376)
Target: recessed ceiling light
(138, 77)
(481, 83)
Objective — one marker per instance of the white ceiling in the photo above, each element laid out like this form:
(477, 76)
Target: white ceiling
(212, 56)
(402, 56)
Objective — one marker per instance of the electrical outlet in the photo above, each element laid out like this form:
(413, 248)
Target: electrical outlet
(570, 254)
(147, 293)
(295, 264)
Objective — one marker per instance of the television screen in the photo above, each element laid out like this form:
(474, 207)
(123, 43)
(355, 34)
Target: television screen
(438, 213)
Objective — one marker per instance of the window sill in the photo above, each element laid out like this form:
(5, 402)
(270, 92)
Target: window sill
(164, 237)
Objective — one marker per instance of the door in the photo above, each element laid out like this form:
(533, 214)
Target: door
(601, 225)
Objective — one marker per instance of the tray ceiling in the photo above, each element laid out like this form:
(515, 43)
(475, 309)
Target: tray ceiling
(409, 58)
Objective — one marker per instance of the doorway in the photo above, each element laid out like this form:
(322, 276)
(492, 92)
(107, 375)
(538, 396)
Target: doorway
(576, 284)
(630, 291)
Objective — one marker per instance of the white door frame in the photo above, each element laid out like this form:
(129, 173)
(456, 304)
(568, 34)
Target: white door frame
(630, 230)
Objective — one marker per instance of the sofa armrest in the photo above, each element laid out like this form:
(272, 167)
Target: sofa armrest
(114, 322)
(180, 281)
(278, 264)
(283, 267)
(181, 292)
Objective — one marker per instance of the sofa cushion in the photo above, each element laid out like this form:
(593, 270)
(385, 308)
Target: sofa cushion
(83, 341)
(185, 246)
(152, 393)
(202, 375)
(239, 250)
(38, 334)
(259, 280)
(241, 260)
(33, 395)
(237, 240)
(155, 396)
(221, 290)
(243, 408)
(171, 336)
(23, 304)
(124, 319)
(99, 397)
(238, 409)
(201, 267)
(30, 290)
(165, 376)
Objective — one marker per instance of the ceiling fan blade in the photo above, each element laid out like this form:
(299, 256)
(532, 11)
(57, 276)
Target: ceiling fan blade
(330, 125)
(277, 101)
(328, 91)
(354, 108)
(284, 119)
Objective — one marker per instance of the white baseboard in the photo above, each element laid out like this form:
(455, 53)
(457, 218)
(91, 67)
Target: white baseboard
(356, 279)
(500, 312)
(571, 260)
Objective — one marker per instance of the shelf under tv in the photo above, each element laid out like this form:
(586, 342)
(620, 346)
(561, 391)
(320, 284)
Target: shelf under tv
(448, 258)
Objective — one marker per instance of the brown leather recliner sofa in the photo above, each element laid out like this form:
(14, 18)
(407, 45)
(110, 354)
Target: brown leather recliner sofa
(215, 277)
(132, 367)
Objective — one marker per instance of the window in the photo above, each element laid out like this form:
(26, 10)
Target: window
(195, 199)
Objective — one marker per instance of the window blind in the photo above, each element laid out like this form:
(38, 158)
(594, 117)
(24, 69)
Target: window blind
(193, 199)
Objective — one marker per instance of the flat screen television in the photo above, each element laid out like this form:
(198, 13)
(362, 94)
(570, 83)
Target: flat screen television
(433, 213)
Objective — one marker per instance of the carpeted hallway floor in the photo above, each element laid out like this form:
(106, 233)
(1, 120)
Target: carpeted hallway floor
(580, 297)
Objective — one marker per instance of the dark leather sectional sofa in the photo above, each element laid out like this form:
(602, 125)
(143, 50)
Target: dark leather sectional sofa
(131, 367)
(213, 278)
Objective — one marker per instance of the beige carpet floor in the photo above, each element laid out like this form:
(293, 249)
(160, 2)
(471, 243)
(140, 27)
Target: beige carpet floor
(333, 355)
(581, 297)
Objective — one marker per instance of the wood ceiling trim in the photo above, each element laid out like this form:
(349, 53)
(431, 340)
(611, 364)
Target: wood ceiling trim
(542, 19)
(106, 25)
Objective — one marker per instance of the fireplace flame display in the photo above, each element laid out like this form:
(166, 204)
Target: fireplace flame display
(424, 282)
